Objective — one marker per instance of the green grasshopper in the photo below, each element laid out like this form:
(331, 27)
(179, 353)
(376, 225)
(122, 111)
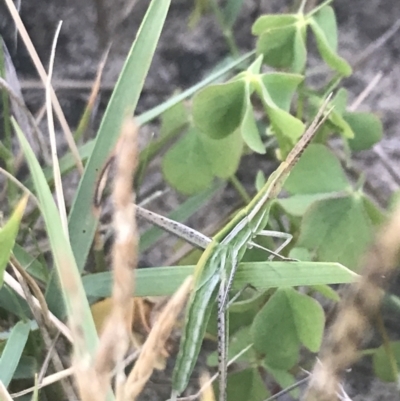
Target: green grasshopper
(219, 261)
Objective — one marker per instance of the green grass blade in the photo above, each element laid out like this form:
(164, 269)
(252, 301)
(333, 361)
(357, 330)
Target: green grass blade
(13, 351)
(82, 222)
(261, 275)
(61, 249)
(8, 233)
(30, 264)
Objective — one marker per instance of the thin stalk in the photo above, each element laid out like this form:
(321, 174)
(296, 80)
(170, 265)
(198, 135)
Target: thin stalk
(226, 31)
(240, 189)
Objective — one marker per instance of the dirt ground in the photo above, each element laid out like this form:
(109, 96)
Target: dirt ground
(183, 57)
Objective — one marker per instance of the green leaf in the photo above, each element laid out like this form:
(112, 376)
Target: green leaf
(267, 22)
(242, 313)
(286, 124)
(195, 160)
(223, 154)
(281, 120)
(382, 363)
(284, 379)
(327, 292)
(277, 45)
(300, 254)
(254, 68)
(376, 215)
(67, 162)
(327, 52)
(282, 40)
(287, 319)
(309, 319)
(335, 121)
(174, 119)
(297, 205)
(339, 102)
(260, 180)
(248, 127)
(246, 385)
(185, 165)
(8, 234)
(274, 333)
(317, 172)
(261, 275)
(217, 109)
(326, 20)
(299, 51)
(281, 87)
(13, 351)
(367, 128)
(237, 342)
(82, 222)
(337, 230)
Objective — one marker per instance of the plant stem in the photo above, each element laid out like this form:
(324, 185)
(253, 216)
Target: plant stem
(240, 189)
(226, 31)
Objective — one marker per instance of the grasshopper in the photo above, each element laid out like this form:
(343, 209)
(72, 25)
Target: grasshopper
(218, 263)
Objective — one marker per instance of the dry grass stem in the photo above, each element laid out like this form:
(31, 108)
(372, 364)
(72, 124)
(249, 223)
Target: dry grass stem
(115, 338)
(42, 73)
(4, 394)
(40, 314)
(208, 393)
(52, 136)
(154, 347)
(21, 112)
(95, 89)
(356, 312)
(366, 92)
(12, 283)
(116, 335)
(55, 377)
(43, 310)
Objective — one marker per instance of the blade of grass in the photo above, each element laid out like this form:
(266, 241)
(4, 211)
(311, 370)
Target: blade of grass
(261, 275)
(82, 222)
(85, 336)
(13, 351)
(30, 264)
(8, 233)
